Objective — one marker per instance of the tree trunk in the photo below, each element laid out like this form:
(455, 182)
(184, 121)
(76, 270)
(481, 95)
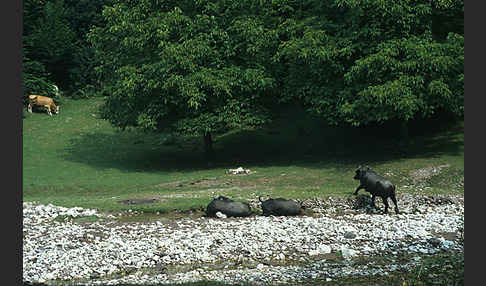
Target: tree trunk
(208, 146)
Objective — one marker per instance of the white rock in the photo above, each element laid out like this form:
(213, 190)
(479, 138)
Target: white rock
(324, 249)
(114, 247)
(348, 253)
(221, 215)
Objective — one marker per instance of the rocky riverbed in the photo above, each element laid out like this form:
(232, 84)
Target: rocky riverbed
(334, 240)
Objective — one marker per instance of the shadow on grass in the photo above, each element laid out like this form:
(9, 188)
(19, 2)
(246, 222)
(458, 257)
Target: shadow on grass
(308, 146)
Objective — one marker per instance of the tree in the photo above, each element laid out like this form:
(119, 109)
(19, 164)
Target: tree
(176, 67)
(208, 66)
(48, 38)
(55, 37)
(405, 79)
(35, 79)
(81, 16)
(373, 61)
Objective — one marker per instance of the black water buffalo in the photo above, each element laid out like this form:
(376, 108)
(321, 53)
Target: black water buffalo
(376, 185)
(228, 207)
(280, 207)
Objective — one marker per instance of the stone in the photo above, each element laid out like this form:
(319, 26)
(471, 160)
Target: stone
(313, 252)
(130, 248)
(221, 215)
(324, 249)
(435, 242)
(348, 253)
(349, 235)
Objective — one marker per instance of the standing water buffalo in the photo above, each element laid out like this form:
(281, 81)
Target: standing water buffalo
(227, 207)
(280, 207)
(376, 185)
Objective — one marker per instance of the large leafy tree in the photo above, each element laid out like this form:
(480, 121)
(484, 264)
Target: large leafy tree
(48, 37)
(81, 16)
(372, 61)
(54, 36)
(35, 73)
(405, 73)
(205, 66)
(186, 67)
(35, 79)
(405, 79)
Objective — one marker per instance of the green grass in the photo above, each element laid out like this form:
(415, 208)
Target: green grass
(76, 159)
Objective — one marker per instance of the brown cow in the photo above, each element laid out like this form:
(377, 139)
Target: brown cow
(47, 102)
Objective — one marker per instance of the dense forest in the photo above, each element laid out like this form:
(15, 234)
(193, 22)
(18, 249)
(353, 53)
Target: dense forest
(209, 66)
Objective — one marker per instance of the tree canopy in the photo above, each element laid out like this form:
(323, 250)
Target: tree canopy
(206, 66)
(358, 62)
(55, 47)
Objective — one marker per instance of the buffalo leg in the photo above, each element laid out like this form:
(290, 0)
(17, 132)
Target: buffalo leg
(373, 201)
(395, 202)
(357, 189)
(385, 202)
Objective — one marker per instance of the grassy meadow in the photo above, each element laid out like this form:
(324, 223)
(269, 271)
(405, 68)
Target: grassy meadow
(77, 159)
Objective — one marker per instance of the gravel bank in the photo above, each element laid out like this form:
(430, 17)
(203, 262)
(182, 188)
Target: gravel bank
(256, 249)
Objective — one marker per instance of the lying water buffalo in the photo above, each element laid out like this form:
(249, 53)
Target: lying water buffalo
(280, 207)
(376, 185)
(228, 207)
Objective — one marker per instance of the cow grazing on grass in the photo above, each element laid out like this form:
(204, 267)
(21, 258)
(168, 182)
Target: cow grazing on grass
(43, 101)
(228, 207)
(280, 207)
(376, 185)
